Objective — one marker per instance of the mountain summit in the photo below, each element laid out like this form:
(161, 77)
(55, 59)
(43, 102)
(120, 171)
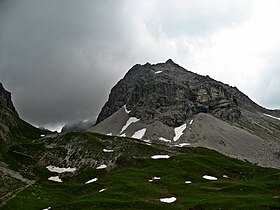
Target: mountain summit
(170, 94)
(168, 104)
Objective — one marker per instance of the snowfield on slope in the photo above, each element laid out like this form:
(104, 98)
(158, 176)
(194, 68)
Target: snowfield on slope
(103, 166)
(160, 157)
(108, 150)
(102, 190)
(92, 180)
(211, 178)
(154, 178)
(129, 121)
(139, 134)
(55, 179)
(164, 139)
(60, 170)
(179, 131)
(158, 72)
(168, 200)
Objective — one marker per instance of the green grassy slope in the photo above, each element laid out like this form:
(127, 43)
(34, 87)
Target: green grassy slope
(127, 187)
(18, 133)
(14, 133)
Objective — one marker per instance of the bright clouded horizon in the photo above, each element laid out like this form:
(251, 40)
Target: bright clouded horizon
(60, 58)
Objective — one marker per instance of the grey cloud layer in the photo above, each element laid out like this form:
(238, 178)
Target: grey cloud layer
(52, 55)
(60, 58)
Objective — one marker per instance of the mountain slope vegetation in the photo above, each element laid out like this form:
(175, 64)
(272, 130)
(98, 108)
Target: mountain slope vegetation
(127, 179)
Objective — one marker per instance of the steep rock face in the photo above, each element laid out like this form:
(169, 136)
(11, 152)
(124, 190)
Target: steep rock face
(170, 94)
(8, 114)
(5, 99)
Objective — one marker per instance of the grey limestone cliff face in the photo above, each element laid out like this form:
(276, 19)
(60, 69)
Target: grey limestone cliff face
(8, 114)
(168, 93)
(5, 100)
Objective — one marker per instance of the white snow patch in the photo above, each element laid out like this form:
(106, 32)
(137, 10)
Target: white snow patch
(55, 179)
(103, 166)
(108, 150)
(60, 170)
(109, 134)
(160, 157)
(42, 135)
(211, 178)
(188, 182)
(102, 190)
(277, 118)
(154, 178)
(129, 121)
(179, 131)
(158, 72)
(125, 109)
(139, 134)
(225, 176)
(182, 145)
(164, 139)
(47, 208)
(92, 180)
(122, 135)
(191, 121)
(168, 200)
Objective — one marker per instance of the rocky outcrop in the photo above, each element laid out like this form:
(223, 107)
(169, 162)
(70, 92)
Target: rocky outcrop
(5, 100)
(8, 114)
(170, 94)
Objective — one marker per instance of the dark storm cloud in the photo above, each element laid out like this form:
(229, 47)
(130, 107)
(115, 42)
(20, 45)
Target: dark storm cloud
(54, 56)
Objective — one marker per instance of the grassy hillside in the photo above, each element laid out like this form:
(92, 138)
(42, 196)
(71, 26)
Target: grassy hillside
(130, 167)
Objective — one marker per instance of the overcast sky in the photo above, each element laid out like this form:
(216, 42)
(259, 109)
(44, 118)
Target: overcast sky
(60, 58)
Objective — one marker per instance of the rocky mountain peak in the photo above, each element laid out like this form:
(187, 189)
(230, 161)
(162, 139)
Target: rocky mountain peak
(5, 99)
(168, 93)
(170, 61)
